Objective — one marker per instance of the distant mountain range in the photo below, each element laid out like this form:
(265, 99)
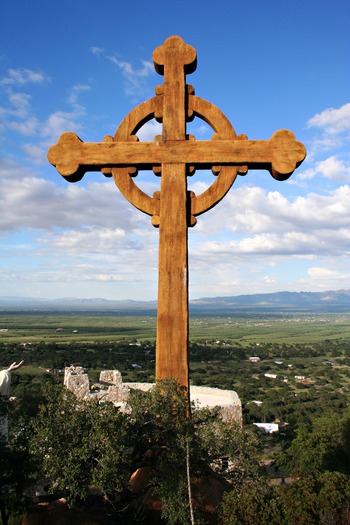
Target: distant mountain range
(317, 301)
(338, 301)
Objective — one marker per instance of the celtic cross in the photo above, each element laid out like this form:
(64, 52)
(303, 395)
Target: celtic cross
(174, 156)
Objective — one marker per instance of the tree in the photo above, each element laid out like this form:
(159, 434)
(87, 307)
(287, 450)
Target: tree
(250, 504)
(166, 437)
(17, 470)
(313, 499)
(79, 443)
(321, 446)
(320, 498)
(166, 442)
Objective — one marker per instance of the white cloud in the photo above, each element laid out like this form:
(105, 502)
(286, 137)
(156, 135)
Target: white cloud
(134, 78)
(325, 278)
(87, 240)
(334, 169)
(101, 256)
(253, 210)
(20, 103)
(96, 50)
(149, 131)
(99, 245)
(19, 116)
(332, 120)
(61, 121)
(34, 153)
(134, 85)
(129, 72)
(269, 280)
(321, 273)
(263, 245)
(258, 222)
(271, 228)
(18, 107)
(334, 127)
(19, 77)
(74, 94)
(331, 168)
(28, 127)
(71, 275)
(9, 170)
(29, 202)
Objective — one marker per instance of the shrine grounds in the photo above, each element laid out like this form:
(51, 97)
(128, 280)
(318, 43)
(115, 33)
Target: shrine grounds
(303, 367)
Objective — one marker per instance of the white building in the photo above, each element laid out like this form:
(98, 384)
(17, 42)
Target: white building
(268, 427)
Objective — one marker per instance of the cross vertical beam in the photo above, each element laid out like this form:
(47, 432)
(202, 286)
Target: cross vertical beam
(172, 319)
(173, 59)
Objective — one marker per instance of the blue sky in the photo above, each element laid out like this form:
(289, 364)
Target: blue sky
(82, 65)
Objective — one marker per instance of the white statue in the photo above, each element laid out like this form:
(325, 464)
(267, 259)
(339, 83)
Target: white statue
(5, 382)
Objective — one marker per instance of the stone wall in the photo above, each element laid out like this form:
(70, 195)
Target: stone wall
(76, 380)
(111, 388)
(113, 377)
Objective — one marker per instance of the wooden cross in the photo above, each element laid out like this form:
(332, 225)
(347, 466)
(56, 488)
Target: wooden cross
(173, 156)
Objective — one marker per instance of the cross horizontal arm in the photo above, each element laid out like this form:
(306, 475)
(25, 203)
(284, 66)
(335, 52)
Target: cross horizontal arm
(281, 154)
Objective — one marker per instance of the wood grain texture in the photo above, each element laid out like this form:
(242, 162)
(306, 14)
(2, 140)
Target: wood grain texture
(281, 155)
(172, 317)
